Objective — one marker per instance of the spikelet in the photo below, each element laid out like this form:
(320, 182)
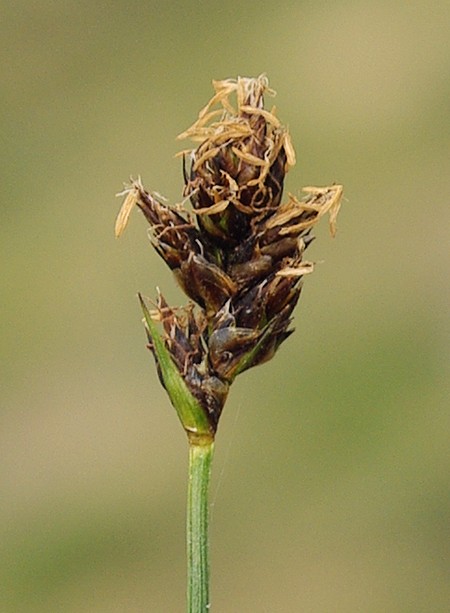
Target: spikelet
(238, 253)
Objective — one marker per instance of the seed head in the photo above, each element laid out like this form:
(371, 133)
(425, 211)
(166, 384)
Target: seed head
(238, 254)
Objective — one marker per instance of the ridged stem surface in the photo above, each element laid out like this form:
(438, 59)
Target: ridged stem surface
(200, 458)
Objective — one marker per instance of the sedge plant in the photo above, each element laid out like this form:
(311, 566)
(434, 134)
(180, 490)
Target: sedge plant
(237, 252)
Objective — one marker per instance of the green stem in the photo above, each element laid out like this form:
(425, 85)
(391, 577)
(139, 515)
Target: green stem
(200, 458)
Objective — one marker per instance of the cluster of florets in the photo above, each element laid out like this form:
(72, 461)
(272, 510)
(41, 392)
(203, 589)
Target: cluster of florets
(238, 254)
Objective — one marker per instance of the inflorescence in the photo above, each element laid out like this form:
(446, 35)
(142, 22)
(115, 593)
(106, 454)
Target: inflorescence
(238, 252)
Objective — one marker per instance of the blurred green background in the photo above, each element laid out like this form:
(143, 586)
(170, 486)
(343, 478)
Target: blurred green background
(331, 480)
